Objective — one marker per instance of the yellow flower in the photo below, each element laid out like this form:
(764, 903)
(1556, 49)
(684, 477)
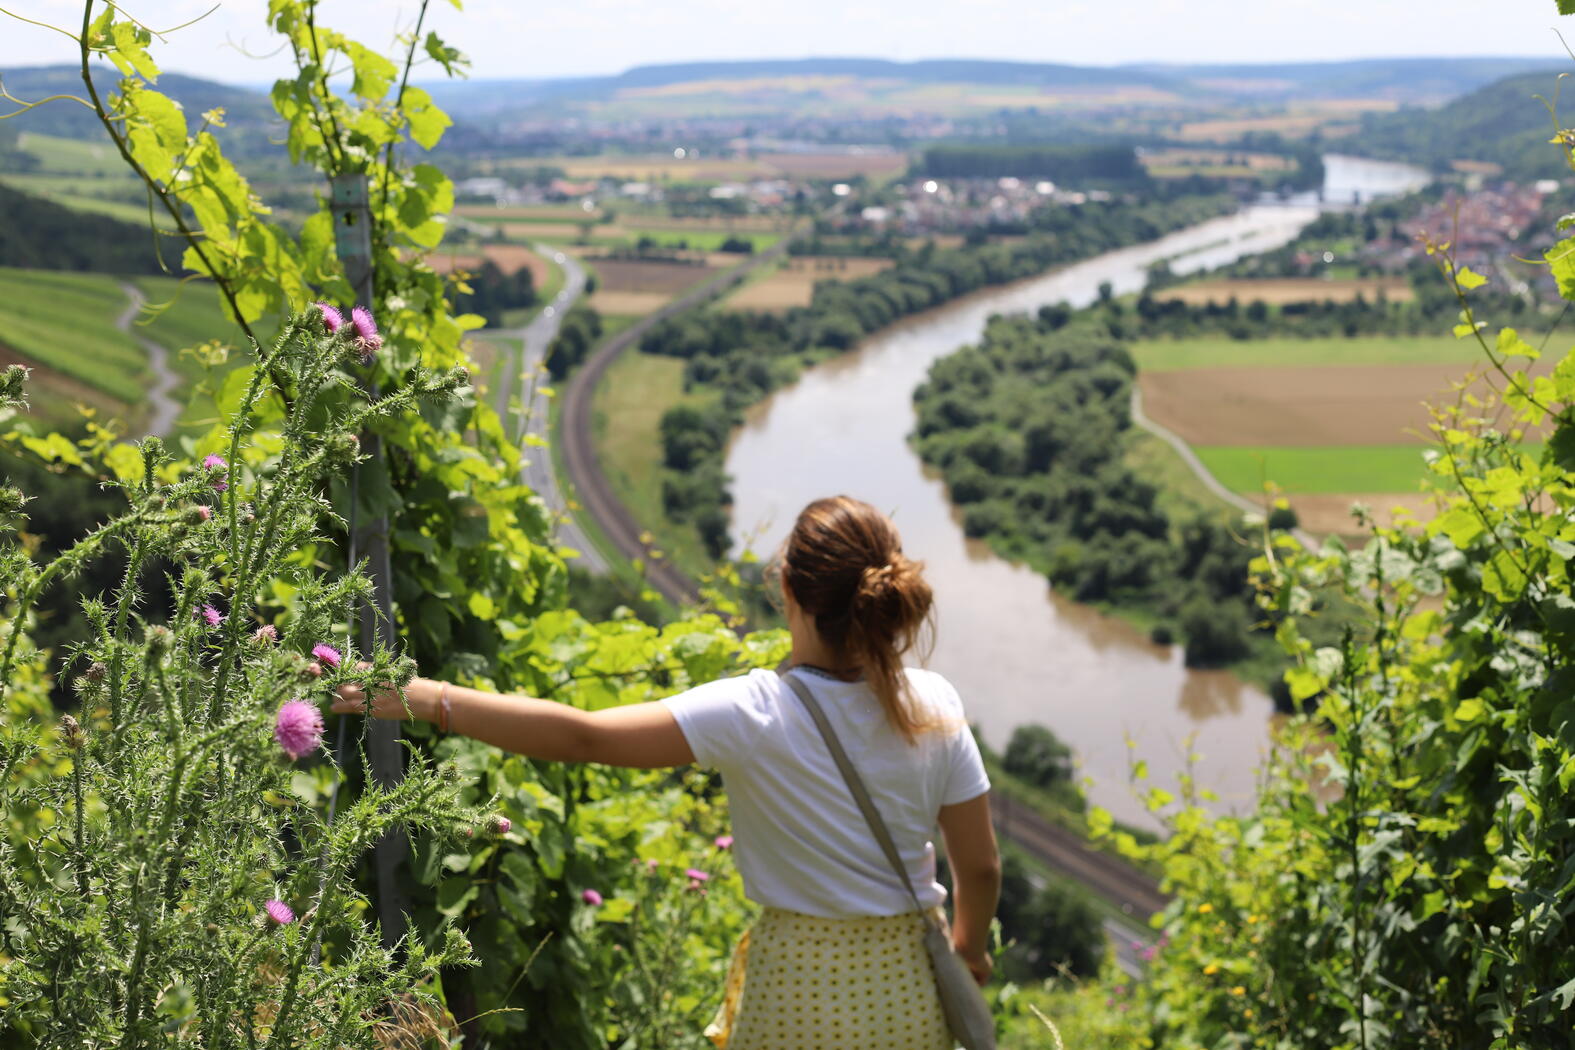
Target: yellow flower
(1252, 919)
(1238, 990)
(1204, 909)
(1247, 1014)
(1211, 969)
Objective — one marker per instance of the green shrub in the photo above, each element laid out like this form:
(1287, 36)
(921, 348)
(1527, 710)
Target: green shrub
(172, 868)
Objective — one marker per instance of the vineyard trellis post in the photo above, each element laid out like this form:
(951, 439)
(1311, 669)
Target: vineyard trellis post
(351, 204)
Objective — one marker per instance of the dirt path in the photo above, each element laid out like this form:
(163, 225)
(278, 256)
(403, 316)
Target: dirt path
(164, 409)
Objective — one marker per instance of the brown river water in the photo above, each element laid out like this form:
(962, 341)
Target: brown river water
(1016, 651)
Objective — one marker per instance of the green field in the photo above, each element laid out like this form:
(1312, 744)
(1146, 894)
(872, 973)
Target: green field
(1172, 355)
(1330, 469)
(65, 322)
(64, 325)
(626, 414)
(194, 315)
(72, 156)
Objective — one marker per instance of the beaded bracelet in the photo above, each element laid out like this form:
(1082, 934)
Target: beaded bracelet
(444, 712)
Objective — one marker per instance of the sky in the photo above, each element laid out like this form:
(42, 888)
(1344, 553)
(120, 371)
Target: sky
(524, 39)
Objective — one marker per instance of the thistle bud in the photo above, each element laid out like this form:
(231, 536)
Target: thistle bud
(344, 448)
(499, 825)
(199, 514)
(71, 733)
(159, 639)
(13, 384)
(267, 634)
(11, 500)
(96, 671)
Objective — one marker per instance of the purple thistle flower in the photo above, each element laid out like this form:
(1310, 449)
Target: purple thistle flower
(333, 320)
(724, 842)
(279, 912)
(267, 634)
(298, 729)
(697, 875)
(327, 654)
(215, 462)
(501, 825)
(212, 615)
(367, 339)
(591, 897)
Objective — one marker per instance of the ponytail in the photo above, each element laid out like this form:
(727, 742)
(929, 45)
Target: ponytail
(845, 567)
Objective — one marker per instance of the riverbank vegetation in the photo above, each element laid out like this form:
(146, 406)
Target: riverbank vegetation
(738, 357)
(1029, 429)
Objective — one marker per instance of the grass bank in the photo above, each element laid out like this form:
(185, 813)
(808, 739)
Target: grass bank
(627, 411)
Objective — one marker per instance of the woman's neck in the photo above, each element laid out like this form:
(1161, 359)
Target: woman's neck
(815, 653)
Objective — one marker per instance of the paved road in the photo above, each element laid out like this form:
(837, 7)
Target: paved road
(1195, 464)
(164, 408)
(535, 337)
(579, 453)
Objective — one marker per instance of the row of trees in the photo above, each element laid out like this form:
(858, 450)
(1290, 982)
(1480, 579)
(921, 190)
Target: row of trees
(1073, 163)
(491, 292)
(740, 357)
(1029, 428)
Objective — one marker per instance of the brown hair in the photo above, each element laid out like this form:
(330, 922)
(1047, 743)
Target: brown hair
(845, 568)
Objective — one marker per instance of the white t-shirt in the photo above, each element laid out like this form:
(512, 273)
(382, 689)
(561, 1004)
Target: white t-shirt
(800, 841)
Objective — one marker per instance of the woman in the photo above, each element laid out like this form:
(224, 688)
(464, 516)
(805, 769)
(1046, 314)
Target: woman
(836, 959)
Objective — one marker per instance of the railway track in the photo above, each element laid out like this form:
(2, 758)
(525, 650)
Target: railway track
(1131, 890)
(585, 475)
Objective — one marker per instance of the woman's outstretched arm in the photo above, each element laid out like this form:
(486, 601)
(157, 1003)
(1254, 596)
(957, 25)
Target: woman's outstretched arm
(976, 879)
(643, 736)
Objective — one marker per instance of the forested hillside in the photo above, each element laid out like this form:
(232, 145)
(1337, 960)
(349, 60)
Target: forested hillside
(40, 235)
(247, 113)
(1502, 123)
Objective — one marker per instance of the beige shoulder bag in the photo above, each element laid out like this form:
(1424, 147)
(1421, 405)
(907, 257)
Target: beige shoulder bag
(967, 1013)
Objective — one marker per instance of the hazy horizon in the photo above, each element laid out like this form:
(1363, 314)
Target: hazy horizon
(606, 37)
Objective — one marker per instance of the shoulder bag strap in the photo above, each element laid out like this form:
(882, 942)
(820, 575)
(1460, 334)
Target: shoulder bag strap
(855, 785)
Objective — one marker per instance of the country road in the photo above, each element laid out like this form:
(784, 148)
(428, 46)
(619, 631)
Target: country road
(534, 339)
(165, 409)
(591, 487)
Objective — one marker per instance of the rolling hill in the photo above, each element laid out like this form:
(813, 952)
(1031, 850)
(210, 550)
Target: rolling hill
(1503, 123)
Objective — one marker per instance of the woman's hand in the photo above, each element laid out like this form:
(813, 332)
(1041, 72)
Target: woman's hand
(978, 962)
(420, 694)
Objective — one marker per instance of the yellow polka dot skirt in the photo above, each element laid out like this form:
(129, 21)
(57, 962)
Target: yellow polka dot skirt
(800, 982)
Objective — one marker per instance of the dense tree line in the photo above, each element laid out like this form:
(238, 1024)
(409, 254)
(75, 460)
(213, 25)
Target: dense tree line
(581, 328)
(1028, 428)
(492, 291)
(40, 235)
(742, 357)
(1153, 316)
(1082, 163)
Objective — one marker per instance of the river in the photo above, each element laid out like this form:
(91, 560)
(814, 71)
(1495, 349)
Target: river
(1017, 651)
